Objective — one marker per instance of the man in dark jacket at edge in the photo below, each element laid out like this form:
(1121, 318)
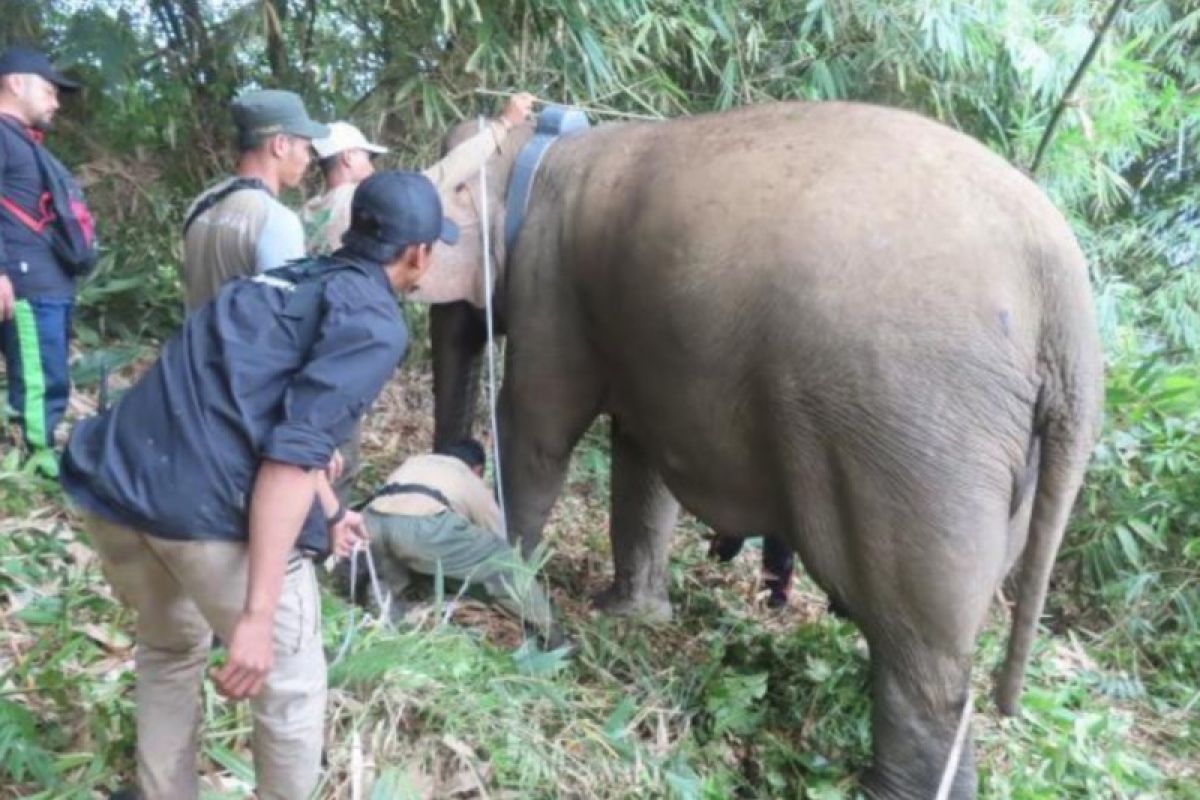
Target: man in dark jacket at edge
(36, 290)
(205, 494)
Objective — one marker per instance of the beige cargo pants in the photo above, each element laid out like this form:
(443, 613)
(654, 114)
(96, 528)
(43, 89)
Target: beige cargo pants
(182, 591)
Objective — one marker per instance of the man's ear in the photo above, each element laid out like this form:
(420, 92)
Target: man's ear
(413, 264)
(12, 84)
(345, 157)
(279, 145)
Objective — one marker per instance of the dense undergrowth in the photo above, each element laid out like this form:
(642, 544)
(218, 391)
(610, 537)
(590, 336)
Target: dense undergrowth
(730, 700)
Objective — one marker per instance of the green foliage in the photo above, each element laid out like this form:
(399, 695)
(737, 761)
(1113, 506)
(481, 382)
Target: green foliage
(160, 76)
(21, 756)
(727, 701)
(1135, 546)
(722, 705)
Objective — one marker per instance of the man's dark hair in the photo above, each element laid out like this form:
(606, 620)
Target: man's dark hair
(468, 451)
(248, 141)
(328, 163)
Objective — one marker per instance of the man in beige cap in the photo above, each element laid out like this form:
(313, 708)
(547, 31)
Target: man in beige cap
(436, 514)
(345, 157)
(238, 227)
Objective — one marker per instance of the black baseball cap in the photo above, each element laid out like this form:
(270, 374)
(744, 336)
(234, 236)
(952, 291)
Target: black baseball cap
(24, 60)
(394, 209)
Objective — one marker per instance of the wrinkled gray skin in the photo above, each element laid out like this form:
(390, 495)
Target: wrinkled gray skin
(842, 325)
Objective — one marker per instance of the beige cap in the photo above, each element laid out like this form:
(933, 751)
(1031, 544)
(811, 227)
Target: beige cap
(342, 137)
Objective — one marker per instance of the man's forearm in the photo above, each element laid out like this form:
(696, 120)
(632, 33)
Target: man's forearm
(463, 162)
(283, 495)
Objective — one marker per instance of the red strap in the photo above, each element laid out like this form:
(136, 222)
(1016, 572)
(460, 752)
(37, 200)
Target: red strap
(44, 208)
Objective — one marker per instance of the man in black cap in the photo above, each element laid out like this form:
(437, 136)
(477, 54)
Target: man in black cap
(239, 227)
(205, 494)
(37, 290)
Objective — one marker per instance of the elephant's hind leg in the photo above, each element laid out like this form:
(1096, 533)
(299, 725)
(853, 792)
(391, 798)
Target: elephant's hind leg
(926, 608)
(643, 518)
(918, 696)
(922, 570)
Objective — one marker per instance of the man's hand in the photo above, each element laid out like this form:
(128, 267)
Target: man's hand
(251, 655)
(348, 533)
(8, 298)
(337, 465)
(283, 496)
(519, 109)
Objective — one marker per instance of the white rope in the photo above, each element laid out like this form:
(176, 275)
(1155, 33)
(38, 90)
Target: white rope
(374, 578)
(383, 608)
(489, 290)
(956, 751)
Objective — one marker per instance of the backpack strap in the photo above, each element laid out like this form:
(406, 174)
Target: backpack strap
(212, 198)
(45, 212)
(304, 282)
(35, 224)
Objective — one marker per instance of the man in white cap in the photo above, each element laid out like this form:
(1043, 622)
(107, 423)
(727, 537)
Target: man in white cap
(346, 155)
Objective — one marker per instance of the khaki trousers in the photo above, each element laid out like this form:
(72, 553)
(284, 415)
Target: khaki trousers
(182, 591)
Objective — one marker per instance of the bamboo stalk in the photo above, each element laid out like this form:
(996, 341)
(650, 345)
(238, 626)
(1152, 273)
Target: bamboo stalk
(1048, 134)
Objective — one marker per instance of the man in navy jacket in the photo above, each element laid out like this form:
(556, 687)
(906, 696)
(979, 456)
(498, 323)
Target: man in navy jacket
(37, 291)
(203, 489)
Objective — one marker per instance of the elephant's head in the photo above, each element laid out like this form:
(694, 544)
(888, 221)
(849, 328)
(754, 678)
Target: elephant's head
(457, 271)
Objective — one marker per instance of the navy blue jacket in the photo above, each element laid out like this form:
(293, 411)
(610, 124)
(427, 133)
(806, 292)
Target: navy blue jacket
(25, 256)
(263, 371)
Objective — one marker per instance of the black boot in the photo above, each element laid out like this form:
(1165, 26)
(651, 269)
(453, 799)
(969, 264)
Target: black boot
(778, 565)
(724, 548)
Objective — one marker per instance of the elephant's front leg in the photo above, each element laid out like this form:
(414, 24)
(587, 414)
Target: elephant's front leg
(546, 405)
(643, 518)
(457, 332)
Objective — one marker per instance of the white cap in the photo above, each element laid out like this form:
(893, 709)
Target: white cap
(342, 137)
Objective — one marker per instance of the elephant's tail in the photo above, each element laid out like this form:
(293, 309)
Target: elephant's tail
(1066, 422)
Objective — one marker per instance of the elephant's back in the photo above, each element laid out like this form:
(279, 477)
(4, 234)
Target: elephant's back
(866, 189)
(801, 259)
(877, 227)
(788, 280)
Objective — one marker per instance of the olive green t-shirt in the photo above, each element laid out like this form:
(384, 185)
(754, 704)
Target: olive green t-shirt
(247, 232)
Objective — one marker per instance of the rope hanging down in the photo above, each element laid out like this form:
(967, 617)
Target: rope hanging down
(379, 601)
(489, 288)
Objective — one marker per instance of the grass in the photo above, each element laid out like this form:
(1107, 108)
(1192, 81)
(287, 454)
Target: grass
(729, 701)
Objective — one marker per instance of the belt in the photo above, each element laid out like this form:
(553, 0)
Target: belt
(297, 558)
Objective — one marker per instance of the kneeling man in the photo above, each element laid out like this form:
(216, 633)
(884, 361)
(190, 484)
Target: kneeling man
(435, 512)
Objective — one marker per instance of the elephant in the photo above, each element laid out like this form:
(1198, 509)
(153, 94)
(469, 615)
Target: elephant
(843, 325)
